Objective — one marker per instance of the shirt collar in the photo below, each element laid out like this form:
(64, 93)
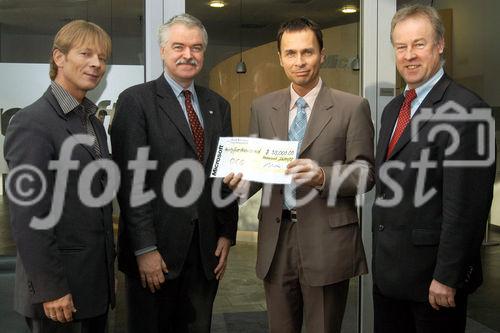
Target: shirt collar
(310, 97)
(176, 87)
(425, 88)
(68, 103)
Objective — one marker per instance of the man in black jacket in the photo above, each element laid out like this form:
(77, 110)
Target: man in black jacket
(64, 269)
(173, 249)
(434, 188)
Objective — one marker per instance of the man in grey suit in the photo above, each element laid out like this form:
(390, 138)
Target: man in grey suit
(308, 251)
(64, 270)
(173, 252)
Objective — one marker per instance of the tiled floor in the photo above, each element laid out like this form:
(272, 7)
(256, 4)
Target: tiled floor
(240, 303)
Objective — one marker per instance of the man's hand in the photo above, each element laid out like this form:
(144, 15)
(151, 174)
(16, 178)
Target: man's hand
(222, 251)
(239, 186)
(306, 171)
(441, 295)
(152, 269)
(61, 309)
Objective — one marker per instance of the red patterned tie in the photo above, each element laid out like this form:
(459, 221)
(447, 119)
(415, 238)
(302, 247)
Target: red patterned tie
(194, 122)
(403, 120)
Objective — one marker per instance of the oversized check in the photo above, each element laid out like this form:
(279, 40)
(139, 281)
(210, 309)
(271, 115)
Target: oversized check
(259, 160)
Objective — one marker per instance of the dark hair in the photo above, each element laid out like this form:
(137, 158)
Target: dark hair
(299, 24)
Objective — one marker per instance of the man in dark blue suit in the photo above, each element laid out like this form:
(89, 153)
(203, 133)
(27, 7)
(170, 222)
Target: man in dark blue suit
(65, 249)
(433, 199)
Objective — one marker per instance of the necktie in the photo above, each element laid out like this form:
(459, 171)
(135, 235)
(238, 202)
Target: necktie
(195, 125)
(84, 117)
(296, 133)
(403, 120)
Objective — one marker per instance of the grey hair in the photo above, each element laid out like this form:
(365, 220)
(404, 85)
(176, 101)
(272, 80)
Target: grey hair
(428, 12)
(185, 19)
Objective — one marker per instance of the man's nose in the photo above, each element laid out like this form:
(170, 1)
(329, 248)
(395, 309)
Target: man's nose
(186, 53)
(300, 60)
(409, 53)
(95, 61)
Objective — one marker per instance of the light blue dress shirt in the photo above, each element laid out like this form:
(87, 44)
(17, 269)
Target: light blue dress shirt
(177, 88)
(424, 90)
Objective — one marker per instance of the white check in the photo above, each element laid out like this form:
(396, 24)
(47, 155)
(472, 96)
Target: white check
(259, 160)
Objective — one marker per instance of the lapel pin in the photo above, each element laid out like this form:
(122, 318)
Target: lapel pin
(210, 111)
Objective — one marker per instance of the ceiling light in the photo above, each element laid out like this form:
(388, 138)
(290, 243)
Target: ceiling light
(216, 4)
(349, 9)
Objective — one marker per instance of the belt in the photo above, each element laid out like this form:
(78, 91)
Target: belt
(290, 215)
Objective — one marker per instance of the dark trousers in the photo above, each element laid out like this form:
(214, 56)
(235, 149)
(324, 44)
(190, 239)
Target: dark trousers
(291, 301)
(181, 305)
(46, 325)
(395, 316)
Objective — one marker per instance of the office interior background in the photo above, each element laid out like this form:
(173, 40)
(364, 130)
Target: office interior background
(359, 60)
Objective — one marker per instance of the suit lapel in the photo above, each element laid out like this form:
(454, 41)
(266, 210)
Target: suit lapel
(72, 121)
(387, 127)
(279, 116)
(169, 104)
(432, 98)
(207, 110)
(320, 117)
(103, 141)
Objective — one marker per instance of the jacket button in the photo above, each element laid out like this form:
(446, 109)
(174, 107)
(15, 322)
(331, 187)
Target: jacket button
(278, 220)
(381, 227)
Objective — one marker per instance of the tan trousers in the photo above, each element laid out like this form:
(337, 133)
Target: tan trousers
(290, 301)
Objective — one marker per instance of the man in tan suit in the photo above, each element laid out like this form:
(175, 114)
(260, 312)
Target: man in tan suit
(309, 249)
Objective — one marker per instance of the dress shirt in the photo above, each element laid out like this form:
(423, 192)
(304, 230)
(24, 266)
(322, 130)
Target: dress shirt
(178, 89)
(422, 92)
(70, 104)
(310, 98)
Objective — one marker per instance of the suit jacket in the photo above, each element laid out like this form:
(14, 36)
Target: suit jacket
(340, 131)
(75, 256)
(440, 239)
(149, 115)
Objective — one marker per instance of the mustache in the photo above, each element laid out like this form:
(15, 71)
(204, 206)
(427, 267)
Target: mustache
(187, 62)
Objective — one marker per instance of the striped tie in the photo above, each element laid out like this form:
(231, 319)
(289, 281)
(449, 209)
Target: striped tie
(296, 133)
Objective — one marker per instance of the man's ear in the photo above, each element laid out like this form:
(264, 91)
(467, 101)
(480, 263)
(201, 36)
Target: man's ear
(279, 57)
(441, 46)
(323, 56)
(58, 57)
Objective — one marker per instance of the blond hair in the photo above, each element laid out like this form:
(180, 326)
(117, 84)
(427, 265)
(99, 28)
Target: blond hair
(76, 33)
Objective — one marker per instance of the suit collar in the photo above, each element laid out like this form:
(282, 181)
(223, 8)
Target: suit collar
(318, 120)
(169, 104)
(279, 116)
(320, 117)
(435, 96)
(74, 124)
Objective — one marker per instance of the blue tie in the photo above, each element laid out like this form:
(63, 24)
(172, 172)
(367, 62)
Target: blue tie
(296, 133)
